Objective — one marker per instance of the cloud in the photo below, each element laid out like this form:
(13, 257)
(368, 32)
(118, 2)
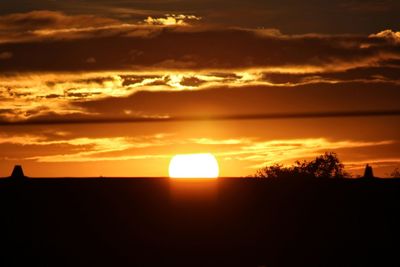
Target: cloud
(31, 95)
(269, 32)
(352, 16)
(97, 144)
(34, 94)
(368, 7)
(373, 74)
(30, 25)
(77, 65)
(5, 55)
(390, 35)
(49, 25)
(162, 93)
(66, 65)
(36, 38)
(171, 19)
(87, 157)
(210, 141)
(90, 60)
(51, 19)
(375, 162)
(262, 153)
(234, 98)
(84, 149)
(253, 152)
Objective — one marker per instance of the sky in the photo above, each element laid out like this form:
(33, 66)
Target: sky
(90, 60)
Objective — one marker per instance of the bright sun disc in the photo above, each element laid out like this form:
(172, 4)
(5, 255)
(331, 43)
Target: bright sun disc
(193, 166)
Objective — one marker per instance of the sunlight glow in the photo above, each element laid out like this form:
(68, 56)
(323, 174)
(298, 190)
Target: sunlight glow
(193, 166)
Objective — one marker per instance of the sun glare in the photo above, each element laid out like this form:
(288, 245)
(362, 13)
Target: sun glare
(193, 166)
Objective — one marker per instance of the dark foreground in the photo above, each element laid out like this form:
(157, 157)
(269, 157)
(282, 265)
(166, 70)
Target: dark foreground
(229, 222)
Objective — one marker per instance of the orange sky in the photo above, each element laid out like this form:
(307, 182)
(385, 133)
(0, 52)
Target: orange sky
(66, 64)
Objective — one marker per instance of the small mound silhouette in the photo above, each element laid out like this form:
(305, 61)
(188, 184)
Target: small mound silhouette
(17, 173)
(368, 172)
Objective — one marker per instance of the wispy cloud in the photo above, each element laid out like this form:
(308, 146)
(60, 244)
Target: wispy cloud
(286, 151)
(376, 162)
(85, 149)
(255, 152)
(390, 35)
(44, 25)
(28, 95)
(171, 19)
(210, 141)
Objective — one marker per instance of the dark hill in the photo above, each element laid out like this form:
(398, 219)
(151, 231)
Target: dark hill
(234, 222)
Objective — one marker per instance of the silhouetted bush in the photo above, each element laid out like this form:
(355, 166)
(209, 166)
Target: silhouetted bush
(327, 165)
(395, 173)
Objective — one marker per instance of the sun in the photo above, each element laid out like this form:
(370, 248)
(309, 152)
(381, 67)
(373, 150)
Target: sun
(193, 166)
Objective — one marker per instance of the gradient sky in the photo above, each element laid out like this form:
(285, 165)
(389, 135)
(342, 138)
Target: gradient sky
(161, 58)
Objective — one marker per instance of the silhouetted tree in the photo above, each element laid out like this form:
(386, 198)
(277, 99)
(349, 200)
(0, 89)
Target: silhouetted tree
(395, 173)
(275, 171)
(327, 165)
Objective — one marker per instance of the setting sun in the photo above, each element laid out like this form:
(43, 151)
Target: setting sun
(194, 166)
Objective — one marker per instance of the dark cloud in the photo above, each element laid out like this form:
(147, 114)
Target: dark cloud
(364, 74)
(91, 60)
(44, 19)
(336, 16)
(5, 55)
(43, 24)
(367, 6)
(138, 47)
(50, 96)
(317, 97)
(192, 81)
(136, 79)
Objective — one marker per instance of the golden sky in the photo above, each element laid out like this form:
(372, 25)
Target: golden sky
(124, 59)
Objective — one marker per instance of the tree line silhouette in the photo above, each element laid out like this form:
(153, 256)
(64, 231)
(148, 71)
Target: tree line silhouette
(395, 173)
(327, 165)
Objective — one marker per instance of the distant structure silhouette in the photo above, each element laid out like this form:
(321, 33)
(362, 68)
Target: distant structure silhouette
(17, 173)
(368, 173)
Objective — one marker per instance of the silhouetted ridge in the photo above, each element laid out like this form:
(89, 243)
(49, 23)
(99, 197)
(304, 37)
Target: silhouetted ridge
(17, 172)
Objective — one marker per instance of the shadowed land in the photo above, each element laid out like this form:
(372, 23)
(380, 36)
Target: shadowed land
(225, 222)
